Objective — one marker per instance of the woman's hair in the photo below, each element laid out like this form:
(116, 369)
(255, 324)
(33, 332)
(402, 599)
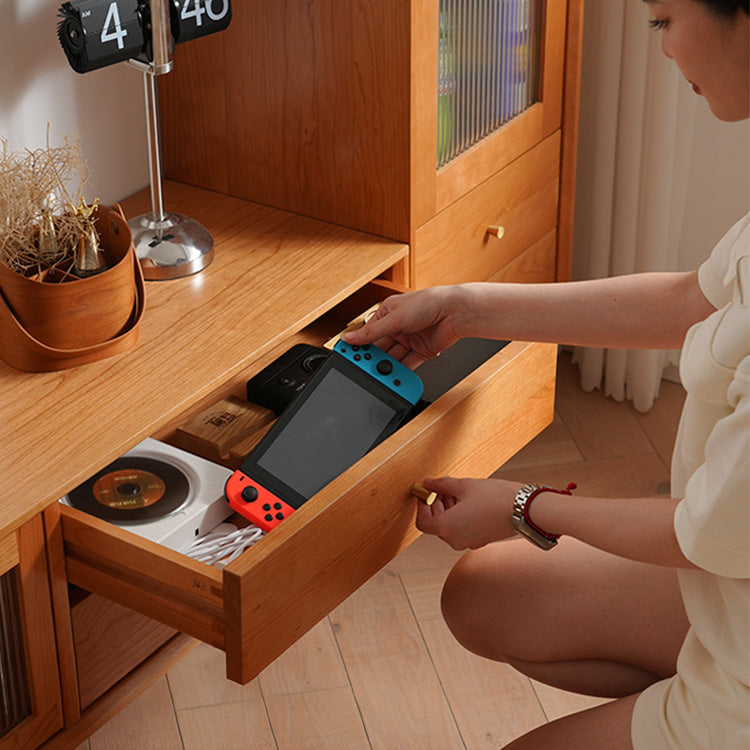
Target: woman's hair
(727, 8)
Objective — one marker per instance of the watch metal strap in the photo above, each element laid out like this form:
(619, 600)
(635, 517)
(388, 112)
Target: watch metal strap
(521, 521)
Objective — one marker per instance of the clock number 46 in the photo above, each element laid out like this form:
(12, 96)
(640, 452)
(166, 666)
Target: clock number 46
(196, 8)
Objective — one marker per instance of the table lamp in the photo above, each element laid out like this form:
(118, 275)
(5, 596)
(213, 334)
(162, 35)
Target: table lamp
(97, 33)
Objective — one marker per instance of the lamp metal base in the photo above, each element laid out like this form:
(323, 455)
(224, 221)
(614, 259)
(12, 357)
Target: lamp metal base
(172, 246)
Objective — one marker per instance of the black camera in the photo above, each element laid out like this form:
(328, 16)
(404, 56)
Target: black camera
(276, 385)
(98, 33)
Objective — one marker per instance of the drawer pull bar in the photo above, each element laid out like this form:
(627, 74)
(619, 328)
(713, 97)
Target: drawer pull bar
(496, 231)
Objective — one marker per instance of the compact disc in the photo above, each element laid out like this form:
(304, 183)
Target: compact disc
(133, 488)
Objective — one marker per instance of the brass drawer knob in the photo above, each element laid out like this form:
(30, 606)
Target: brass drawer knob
(496, 231)
(420, 491)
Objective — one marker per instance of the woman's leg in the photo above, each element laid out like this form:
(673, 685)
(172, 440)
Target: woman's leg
(606, 726)
(574, 617)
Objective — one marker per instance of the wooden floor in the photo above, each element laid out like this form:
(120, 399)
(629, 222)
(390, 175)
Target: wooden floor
(382, 671)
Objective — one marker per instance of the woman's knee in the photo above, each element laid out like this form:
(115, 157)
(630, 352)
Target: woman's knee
(511, 602)
(478, 601)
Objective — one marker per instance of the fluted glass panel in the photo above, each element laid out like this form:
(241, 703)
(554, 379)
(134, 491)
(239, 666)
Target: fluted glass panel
(14, 691)
(488, 68)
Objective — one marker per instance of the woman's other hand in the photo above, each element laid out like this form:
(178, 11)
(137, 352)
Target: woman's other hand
(468, 513)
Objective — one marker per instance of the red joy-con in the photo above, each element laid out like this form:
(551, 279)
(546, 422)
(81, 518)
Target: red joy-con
(254, 502)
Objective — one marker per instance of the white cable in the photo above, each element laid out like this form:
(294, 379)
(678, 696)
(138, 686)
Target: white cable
(224, 544)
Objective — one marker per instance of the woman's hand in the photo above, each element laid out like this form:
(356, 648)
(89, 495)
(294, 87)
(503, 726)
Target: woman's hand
(468, 513)
(416, 326)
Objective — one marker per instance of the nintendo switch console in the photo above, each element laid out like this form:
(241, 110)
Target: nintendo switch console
(355, 399)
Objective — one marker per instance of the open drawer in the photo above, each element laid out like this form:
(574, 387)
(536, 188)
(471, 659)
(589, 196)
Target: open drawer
(260, 604)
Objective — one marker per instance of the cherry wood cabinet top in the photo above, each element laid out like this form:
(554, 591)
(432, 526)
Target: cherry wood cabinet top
(273, 273)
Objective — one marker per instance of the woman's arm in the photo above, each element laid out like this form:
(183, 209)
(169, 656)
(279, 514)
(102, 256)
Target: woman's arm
(643, 311)
(651, 310)
(470, 513)
(637, 528)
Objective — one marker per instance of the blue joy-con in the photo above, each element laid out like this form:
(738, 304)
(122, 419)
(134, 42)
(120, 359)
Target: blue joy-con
(392, 373)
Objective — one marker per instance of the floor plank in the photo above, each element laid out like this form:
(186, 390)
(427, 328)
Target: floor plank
(317, 720)
(394, 680)
(661, 421)
(229, 726)
(492, 703)
(423, 589)
(198, 680)
(148, 723)
(312, 664)
(426, 553)
(554, 445)
(601, 427)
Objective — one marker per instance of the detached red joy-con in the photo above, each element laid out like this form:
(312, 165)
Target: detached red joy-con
(255, 502)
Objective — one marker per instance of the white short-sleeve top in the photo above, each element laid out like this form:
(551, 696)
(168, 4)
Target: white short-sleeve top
(707, 705)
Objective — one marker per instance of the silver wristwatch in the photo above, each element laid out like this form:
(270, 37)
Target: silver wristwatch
(521, 522)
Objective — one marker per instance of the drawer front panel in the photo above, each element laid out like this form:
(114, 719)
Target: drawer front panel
(536, 265)
(358, 523)
(522, 199)
(277, 590)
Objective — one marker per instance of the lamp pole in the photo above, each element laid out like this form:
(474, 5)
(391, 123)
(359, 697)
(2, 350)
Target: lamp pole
(169, 245)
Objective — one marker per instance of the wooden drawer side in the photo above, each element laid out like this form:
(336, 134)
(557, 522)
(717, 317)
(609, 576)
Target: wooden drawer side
(359, 522)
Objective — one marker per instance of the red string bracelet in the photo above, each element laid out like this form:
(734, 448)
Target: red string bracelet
(538, 491)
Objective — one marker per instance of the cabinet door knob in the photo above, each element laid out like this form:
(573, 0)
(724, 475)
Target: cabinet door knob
(496, 231)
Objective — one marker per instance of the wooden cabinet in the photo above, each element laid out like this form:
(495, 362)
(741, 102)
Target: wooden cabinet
(330, 109)
(31, 708)
(305, 139)
(274, 274)
(277, 278)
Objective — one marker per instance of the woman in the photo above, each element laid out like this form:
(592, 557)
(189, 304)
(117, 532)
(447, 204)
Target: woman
(645, 600)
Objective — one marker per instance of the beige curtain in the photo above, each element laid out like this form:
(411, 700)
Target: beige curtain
(636, 131)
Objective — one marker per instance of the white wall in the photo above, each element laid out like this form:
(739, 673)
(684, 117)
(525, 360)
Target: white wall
(104, 108)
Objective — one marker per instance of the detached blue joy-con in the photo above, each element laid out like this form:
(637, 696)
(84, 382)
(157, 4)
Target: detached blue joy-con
(392, 373)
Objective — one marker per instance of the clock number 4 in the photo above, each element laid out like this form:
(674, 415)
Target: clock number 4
(112, 30)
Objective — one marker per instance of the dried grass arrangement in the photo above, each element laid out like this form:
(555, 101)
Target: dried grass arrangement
(49, 235)
(43, 214)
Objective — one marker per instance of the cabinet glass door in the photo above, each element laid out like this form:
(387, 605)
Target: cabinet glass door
(30, 700)
(15, 705)
(488, 68)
